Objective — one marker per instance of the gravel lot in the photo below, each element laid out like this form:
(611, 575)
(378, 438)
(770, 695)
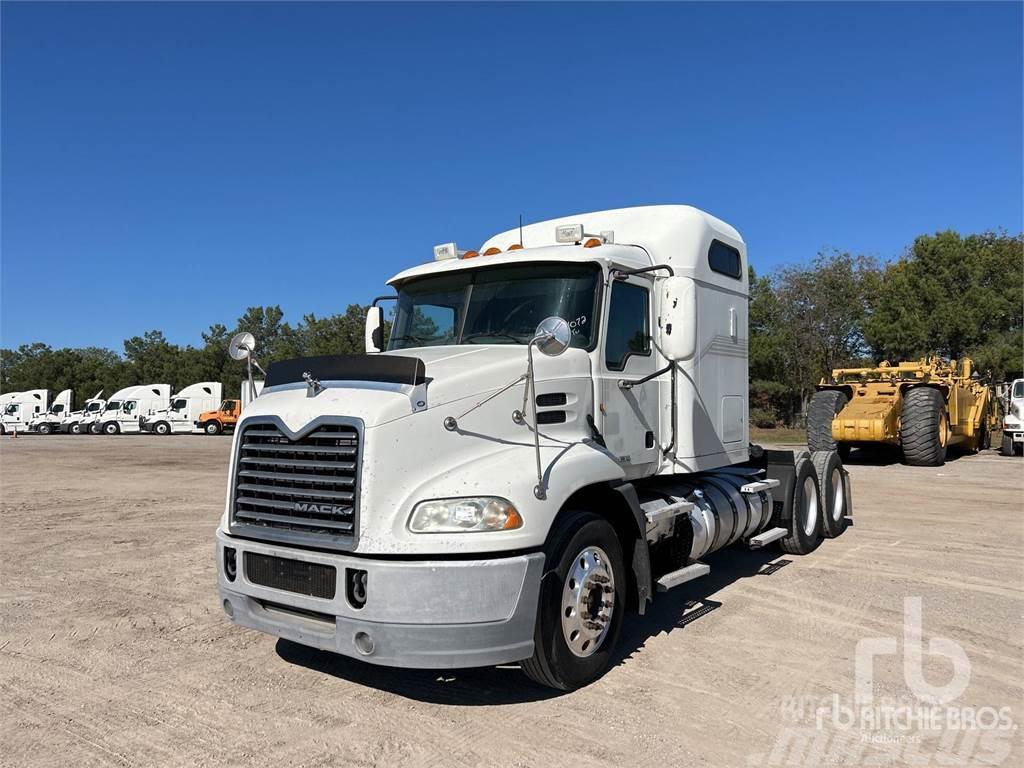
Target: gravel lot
(115, 651)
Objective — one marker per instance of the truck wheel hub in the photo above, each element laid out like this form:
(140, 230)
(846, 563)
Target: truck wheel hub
(588, 600)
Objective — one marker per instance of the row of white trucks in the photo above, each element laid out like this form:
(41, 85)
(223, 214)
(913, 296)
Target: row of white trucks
(151, 408)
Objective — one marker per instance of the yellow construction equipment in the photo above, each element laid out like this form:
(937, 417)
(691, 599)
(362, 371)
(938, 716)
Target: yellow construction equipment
(923, 407)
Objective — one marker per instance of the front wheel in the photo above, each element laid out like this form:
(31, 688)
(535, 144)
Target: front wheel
(582, 604)
(111, 428)
(95, 429)
(212, 428)
(75, 429)
(45, 429)
(162, 428)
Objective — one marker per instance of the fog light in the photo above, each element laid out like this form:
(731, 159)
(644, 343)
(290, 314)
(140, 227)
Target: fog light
(229, 609)
(230, 564)
(364, 643)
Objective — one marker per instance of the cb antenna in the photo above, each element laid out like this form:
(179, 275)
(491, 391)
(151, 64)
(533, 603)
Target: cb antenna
(520, 230)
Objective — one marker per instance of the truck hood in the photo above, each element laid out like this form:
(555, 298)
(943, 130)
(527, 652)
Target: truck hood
(452, 374)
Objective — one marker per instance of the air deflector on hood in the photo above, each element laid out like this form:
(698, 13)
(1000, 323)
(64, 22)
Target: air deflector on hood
(385, 368)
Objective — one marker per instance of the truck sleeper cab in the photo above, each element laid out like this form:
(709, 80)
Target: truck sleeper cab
(183, 410)
(556, 432)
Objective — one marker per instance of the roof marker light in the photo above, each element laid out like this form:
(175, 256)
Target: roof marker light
(492, 251)
(445, 251)
(592, 243)
(470, 254)
(568, 233)
(515, 247)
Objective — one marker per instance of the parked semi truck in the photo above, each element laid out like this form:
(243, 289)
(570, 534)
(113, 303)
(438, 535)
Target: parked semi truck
(181, 415)
(17, 409)
(126, 406)
(226, 416)
(556, 433)
(50, 421)
(1013, 420)
(77, 422)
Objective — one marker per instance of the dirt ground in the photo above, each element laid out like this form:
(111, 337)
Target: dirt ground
(114, 649)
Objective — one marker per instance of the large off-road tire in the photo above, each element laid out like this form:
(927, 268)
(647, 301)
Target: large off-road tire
(111, 428)
(212, 427)
(924, 428)
(831, 492)
(582, 603)
(822, 410)
(805, 524)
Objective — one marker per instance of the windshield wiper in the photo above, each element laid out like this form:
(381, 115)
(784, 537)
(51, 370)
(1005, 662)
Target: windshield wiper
(492, 335)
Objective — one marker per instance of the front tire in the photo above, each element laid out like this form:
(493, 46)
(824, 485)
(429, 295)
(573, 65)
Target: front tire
(824, 407)
(111, 428)
(212, 427)
(45, 429)
(75, 429)
(95, 429)
(924, 430)
(162, 428)
(582, 603)
(805, 524)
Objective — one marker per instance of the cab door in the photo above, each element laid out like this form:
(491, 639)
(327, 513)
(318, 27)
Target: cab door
(628, 417)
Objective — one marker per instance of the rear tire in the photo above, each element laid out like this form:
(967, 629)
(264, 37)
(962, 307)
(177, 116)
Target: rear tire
(824, 407)
(831, 492)
(805, 523)
(561, 659)
(212, 427)
(924, 429)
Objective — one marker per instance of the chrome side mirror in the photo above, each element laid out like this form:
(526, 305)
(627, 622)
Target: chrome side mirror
(552, 336)
(374, 333)
(241, 348)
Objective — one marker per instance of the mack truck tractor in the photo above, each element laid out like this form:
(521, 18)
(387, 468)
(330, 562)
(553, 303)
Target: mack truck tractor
(555, 432)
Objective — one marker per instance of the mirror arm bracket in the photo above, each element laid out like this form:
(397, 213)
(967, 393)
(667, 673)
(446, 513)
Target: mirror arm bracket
(622, 274)
(623, 384)
(379, 299)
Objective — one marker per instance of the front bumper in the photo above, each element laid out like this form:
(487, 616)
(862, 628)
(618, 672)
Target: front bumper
(428, 614)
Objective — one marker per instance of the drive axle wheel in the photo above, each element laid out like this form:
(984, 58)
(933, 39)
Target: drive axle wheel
(805, 524)
(582, 603)
(831, 492)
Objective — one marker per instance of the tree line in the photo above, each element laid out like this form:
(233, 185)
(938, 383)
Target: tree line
(948, 294)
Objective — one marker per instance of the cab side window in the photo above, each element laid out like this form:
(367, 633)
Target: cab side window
(629, 327)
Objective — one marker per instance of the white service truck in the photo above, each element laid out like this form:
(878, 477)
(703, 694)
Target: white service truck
(50, 421)
(77, 422)
(1013, 420)
(556, 432)
(183, 412)
(17, 409)
(127, 406)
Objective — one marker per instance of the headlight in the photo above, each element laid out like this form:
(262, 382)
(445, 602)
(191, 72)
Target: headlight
(477, 513)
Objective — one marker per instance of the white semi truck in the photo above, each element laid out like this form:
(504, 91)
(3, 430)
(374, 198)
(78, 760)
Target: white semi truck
(77, 422)
(181, 415)
(17, 409)
(126, 406)
(557, 432)
(1013, 420)
(50, 421)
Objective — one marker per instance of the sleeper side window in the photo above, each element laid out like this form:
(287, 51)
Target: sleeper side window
(725, 259)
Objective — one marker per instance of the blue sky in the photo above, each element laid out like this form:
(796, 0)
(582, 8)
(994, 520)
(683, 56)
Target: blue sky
(167, 165)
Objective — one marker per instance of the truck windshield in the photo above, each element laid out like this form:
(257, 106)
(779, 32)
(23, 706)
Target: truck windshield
(95, 406)
(113, 405)
(1018, 389)
(500, 305)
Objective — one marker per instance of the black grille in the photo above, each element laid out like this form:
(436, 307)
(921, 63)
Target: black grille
(551, 417)
(311, 579)
(304, 486)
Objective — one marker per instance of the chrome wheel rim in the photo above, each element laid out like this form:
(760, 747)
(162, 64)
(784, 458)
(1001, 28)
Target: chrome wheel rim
(838, 498)
(810, 507)
(588, 601)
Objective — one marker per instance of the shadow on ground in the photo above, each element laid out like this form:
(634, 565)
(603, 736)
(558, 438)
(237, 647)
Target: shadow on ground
(506, 684)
